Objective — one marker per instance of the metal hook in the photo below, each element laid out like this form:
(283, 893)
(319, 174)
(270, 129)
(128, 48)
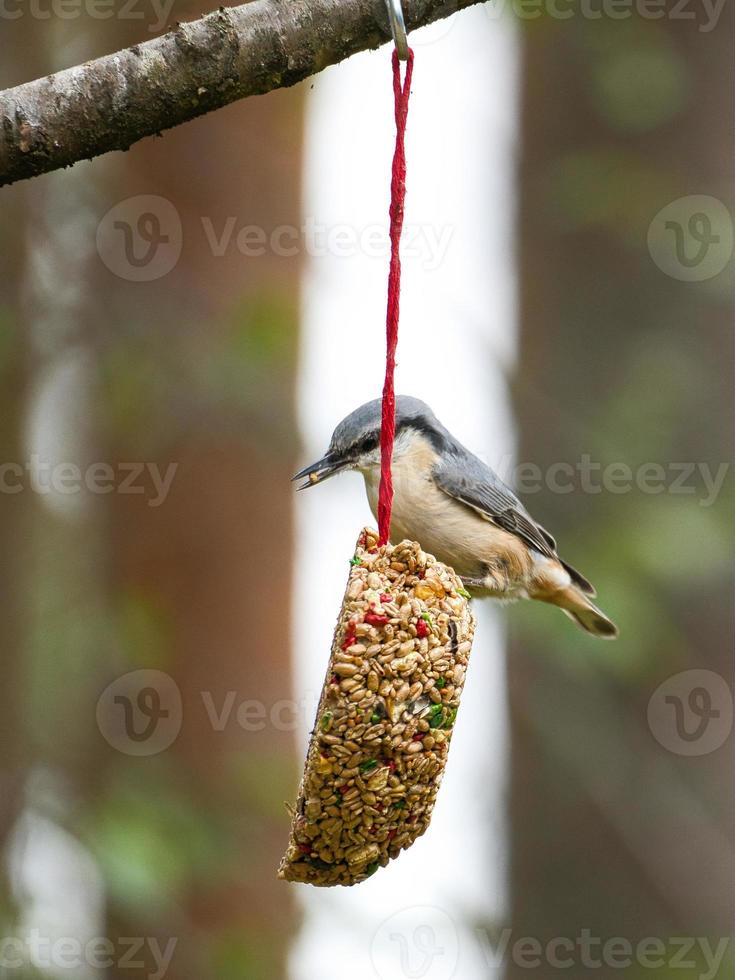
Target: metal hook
(398, 28)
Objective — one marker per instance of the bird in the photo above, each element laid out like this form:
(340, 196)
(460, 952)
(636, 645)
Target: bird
(459, 510)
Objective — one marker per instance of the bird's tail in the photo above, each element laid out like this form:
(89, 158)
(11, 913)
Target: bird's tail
(585, 613)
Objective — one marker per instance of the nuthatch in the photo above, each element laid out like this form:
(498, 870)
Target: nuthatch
(459, 511)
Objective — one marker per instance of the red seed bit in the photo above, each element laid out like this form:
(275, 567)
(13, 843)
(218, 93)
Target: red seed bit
(386, 597)
(375, 619)
(418, 736)
(334, 679)
(305, 848)
(422, 628)
(348, 641)
(392, 833)
(392, 765)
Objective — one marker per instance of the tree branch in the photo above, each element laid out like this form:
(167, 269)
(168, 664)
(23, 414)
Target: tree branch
(112, 102)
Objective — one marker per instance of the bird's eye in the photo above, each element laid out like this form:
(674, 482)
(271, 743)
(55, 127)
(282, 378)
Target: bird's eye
(365, 445)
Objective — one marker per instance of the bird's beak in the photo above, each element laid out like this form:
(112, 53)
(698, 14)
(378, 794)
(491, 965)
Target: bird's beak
(319, 471)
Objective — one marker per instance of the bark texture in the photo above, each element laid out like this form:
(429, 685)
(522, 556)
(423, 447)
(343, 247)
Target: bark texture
(112, 102)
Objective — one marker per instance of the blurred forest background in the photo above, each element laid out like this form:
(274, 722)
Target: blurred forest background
(610, 830)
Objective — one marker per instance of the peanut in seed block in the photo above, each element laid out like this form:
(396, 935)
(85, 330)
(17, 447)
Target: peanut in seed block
(385, 718)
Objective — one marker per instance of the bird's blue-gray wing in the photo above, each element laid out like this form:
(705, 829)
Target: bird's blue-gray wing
(474, 484)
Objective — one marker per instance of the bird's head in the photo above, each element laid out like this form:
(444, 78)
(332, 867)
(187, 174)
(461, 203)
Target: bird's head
(355, 443)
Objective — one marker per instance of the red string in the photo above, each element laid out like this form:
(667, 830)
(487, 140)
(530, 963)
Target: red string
(402, 94)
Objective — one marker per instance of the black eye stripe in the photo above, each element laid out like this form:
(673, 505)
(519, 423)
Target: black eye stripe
(371, 441)
(368, 443)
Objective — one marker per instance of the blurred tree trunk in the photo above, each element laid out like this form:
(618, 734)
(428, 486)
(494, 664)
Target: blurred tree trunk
(610, 832)
(194, 368)
(13, 530)
(204, 379)
(14, 506)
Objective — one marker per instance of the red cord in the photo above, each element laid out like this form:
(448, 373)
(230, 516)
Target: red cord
(397, 198)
